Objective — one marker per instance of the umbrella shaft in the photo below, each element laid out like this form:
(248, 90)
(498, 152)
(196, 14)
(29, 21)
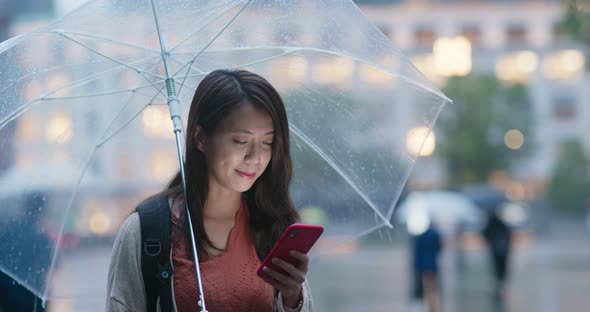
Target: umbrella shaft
(174, 106)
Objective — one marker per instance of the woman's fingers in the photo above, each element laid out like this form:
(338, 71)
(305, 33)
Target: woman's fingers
(274, 283)
(302, 258)
(290, 282)
(294, 273)
(285, 280)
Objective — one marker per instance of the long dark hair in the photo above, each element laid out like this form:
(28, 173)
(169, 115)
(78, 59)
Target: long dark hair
(269, 202)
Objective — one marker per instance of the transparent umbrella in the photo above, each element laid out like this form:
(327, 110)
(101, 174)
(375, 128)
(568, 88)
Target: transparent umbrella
(89, 99)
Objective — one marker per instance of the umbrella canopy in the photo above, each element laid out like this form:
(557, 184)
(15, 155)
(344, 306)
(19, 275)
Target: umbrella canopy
(489, 199)
(444, 208)
(91, 89)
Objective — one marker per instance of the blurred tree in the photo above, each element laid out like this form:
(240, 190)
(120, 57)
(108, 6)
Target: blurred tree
(576, 22)
(569, 188)
(473, 130)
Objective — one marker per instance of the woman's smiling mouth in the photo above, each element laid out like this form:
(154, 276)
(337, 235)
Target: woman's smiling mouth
(246, 175)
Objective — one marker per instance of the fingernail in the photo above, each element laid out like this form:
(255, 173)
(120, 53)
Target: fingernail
(265, 269)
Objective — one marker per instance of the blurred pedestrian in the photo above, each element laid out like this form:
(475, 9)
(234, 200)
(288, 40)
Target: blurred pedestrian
(427, 247)
(498, 236)
(460, 230)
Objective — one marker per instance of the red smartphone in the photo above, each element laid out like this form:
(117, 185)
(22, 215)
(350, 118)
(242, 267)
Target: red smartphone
(298, 236)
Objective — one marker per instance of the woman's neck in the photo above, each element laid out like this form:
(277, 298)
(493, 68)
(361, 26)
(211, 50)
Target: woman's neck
(221, 203)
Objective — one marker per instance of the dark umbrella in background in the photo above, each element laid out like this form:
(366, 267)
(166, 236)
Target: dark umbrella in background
(489, 199)
(13, 296)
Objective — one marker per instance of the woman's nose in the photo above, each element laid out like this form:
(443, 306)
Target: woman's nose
(254, 154)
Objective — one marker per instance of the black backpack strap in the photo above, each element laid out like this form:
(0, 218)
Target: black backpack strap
(154, 216)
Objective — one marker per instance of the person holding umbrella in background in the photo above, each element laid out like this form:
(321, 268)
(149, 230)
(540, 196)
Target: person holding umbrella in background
(427, 247)
(498, 236)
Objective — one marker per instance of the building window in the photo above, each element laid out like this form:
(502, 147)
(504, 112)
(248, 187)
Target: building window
(472, 33)
(424, 36)
(564, 108)
(564, 65)
(516, 34)
(517, 66)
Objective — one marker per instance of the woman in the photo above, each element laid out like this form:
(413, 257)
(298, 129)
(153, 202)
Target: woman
(238, 171)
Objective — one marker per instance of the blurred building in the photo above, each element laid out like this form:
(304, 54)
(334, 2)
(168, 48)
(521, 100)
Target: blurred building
(511, 39)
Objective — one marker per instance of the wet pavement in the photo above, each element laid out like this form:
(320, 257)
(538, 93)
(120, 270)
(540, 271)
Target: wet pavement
(550, 273)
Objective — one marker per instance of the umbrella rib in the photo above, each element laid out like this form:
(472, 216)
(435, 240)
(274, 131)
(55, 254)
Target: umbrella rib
(104, 140)
(324, 51)
(75, 191)
(69, 207)
(67, 66)
(159, 32)
(336, 104)
(270, 58)
(92, 36)
(190, 64)
(340, 172)
(180, 63)
(139, 71)
(192, 33)
(182, 84)
(413, 159)
(22, 283)
(102, 93)
(17, 112)
(25, 106)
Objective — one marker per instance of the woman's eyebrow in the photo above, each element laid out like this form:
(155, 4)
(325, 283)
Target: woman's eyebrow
(250, 132)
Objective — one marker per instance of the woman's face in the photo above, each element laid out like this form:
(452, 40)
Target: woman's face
(239, 149)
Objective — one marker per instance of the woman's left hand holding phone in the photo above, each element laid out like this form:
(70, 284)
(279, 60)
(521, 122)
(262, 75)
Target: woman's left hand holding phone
(290, 285)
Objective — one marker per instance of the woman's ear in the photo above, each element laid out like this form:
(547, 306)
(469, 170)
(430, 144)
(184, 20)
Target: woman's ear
(200, 139)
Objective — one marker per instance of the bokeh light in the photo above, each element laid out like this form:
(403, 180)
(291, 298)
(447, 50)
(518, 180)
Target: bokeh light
(421, 141)
(514, 139)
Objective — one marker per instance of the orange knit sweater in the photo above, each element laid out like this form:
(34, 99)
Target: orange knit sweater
(229, 281)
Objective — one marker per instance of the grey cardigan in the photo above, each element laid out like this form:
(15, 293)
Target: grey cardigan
(125, 288)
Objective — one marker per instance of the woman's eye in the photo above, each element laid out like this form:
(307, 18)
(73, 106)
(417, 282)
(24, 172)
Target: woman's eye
(240, 142)
(268, 143)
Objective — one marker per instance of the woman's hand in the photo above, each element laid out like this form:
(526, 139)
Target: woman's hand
(291, 284)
